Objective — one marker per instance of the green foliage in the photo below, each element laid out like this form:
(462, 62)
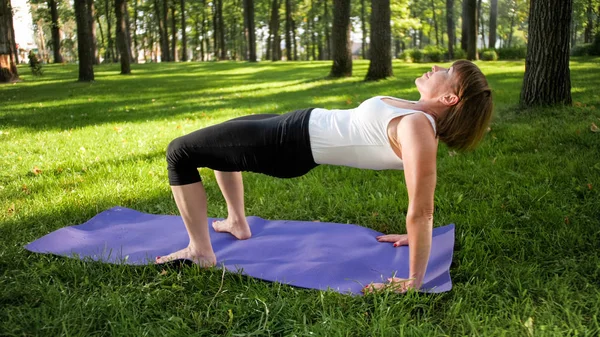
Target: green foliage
(459, 54)
(595, 47)
(35, 64)
(581, 50)
(525, 204)
(435, 54)
(488, 55)
(513, 53)
(416, 55)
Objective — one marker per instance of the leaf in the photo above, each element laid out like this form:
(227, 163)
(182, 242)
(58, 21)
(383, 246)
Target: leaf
(589, 186)
(118, 129)
(36, 171)
(594, 128)
(11, 208)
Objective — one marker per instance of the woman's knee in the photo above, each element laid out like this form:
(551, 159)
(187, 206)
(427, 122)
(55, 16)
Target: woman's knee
(176, 154)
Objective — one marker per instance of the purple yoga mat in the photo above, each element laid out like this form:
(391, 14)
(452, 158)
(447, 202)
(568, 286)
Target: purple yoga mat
(315, 255)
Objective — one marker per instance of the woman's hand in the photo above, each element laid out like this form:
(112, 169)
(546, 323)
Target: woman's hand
(397, 239)
(395, 284)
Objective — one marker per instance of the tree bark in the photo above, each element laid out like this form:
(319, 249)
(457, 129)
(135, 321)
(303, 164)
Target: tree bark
(294, 39)
(493, 23)
(363, 24)
(55, 31)
(450, 24)
(8, 63)
(327, 20)
(380, 66)
(173, 32)
(162, 33)
(122, 40)
(480, 24)
(274, 31)
(435, 24)
(184, 55)
(342, 45)
(84, 40)
(249, 31)
(221, 30)
(288, 29)
(547, 78)
(464, 36)
(110, 53)
(470, 17)
(589, 27)
(136, 49)
(94, 35)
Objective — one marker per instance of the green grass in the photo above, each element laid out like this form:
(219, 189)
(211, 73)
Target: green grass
(526, 206)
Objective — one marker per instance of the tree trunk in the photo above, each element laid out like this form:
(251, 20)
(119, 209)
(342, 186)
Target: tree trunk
(250, 32)
(94, 35)
(342, 45)
(84, 40)
(464, 36)
(381, 37)
(480, 24)
(327, 33)
(288, 29)
(547, 78)
(110, 53)
(363, 24)
(184, 55)
(313, 31)
(136, 49)
(8, 63)
(221, 30)
(173, 32)
(294, 39)
(589, 27)
(493, 23)
(55, 31)
(128, 35)
(274, 31)
(122, 40)
(471, 25)
(204, 44)
(435, 24)
(162, 34)
(450, 24)
(512, 27)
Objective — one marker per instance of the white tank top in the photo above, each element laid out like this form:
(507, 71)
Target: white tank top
(357, 137)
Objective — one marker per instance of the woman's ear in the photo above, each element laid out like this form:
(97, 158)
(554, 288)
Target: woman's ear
(449, 99)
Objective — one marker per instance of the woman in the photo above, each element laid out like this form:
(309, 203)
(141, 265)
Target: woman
(382, 133)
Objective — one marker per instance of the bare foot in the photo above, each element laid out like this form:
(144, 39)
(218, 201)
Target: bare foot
(203, 260)
(240, 229)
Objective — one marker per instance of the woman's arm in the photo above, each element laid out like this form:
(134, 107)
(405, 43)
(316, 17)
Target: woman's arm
(419, 151)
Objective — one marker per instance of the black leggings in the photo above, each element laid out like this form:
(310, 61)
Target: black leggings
(276, 145)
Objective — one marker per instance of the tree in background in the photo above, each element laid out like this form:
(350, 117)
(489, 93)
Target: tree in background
(380, 66)
(55, 31)
(83, 15)
(122, 38)
(8, 67)
(547, 76)
(493, 23)
(470, 28)
(450, 24)
(341, 43)
(249, 30)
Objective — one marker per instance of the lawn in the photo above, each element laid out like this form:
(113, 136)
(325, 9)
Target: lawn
(526, 205)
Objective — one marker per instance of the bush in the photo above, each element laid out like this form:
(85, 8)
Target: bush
(489, 55)
(581, 50)
(434, 54)
(459, 54)
(595, 47)
(405, 56)
(416, 55)
(35, 64)
(512, 53)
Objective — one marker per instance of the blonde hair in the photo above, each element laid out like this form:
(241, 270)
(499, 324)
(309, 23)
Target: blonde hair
(466, 123)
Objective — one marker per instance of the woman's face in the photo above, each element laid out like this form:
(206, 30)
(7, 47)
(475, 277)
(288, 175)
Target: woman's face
(436, 83)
